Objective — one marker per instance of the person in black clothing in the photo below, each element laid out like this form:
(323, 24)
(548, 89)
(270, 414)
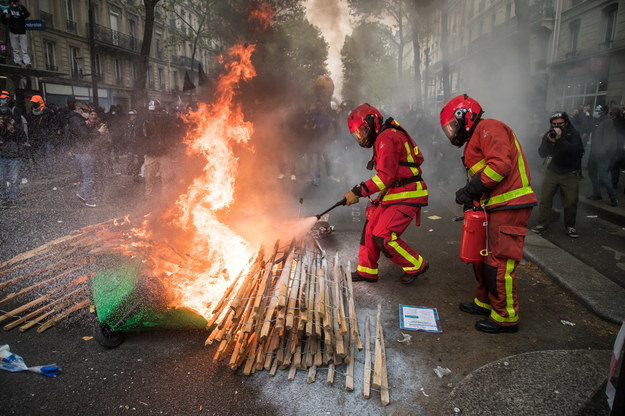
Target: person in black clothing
(15, 17)
(563, 145)
(84, 148)
(131, 145)
(161, 136)
(12, 140)
(618, 160)
(40, 134)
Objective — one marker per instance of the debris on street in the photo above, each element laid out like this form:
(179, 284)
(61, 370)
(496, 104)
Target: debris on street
(14, 363)
(441, 371)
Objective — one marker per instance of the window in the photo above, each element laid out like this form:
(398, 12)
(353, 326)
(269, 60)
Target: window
(134, 71)
(48, 48)
(75, 61)
(114, 19)
(150, 77)
(161, 79)
(583, 91)
(69, 16)
(158, 47)
(574, 28)
(508, 10)
(98, 67)
(175, 80)
(119, 74)
(609, 16)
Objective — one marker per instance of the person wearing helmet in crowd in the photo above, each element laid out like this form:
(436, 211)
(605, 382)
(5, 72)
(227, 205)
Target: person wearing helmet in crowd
(498, 182)
(41, 125)
(603, 146)
(160, 139)
(12, 141)
(401, 194)
(563, 145)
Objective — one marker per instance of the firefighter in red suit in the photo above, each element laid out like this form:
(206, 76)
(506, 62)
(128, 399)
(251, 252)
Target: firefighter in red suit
(401, 194)
(499, 181)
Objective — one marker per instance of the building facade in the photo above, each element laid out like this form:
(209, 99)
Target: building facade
(576, 53)
(61, 53)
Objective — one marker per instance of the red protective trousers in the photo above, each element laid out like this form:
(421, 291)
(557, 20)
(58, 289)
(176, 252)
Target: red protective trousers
(496, 286)
(381, 233)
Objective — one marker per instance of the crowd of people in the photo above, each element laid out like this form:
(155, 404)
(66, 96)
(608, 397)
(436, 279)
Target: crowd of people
(85, 142)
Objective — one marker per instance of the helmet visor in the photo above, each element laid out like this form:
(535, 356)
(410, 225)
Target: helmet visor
(451, 129)
(361, 134)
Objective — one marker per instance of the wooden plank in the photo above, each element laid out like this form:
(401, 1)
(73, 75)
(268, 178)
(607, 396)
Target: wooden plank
(377, 367)
(366, 390)
(57, 318)
(35, 286)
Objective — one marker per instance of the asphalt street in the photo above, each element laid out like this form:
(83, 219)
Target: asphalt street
(555, 365)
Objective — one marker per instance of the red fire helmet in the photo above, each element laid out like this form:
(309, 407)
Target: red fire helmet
(459, 118)
(364, 123)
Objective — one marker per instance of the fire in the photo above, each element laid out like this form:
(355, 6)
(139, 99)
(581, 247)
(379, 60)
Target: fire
(205, 255)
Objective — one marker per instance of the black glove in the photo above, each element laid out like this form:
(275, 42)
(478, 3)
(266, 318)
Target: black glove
(463, 197)
(472, 191)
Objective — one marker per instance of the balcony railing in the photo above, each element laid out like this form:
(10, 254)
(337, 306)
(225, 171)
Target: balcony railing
(48, 19)
(52, 67)
(571, 54)
(182, 61)
(112, 37)
(71, 26)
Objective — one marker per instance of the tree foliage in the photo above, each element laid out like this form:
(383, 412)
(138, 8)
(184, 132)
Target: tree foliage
(288, 59)
(368, 64)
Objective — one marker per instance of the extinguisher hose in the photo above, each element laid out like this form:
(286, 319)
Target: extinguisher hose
(484, 252)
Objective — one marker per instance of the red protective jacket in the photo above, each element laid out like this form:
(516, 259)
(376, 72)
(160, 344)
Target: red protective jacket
(494, 153)
(397, 162)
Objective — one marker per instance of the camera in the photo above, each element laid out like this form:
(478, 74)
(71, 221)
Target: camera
(552, 134)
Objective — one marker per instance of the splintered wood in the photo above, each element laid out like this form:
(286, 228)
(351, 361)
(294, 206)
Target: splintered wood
(293, 310)
(58, 272)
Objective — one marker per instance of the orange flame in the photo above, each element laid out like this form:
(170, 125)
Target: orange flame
(200, 265)
(262, 15)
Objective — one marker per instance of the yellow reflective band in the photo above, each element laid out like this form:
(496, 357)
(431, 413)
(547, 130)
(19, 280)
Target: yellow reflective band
(408, 194)
(402, 252)
(477, 167)
(409, 158)
(522, 171)
(367, 270)
(482, 304)
(488, 171)
(416, 150)
(509, 283)
(376, 179)
(507, 196)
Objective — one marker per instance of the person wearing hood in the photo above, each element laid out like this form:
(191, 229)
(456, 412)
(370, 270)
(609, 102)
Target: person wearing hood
(603, 146)
(562, 144)
(40, 132)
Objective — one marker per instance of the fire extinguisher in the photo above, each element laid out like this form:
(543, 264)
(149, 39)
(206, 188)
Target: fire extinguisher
(474, 242)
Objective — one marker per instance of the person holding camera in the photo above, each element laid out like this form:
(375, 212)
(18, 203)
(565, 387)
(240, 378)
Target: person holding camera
(562, 146)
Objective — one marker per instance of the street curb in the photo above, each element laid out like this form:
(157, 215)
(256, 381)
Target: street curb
(597, 292)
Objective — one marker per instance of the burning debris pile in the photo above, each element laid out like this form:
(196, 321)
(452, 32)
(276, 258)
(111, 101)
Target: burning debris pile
(291, 309)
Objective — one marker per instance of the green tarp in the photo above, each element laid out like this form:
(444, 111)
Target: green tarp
(125, 300)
